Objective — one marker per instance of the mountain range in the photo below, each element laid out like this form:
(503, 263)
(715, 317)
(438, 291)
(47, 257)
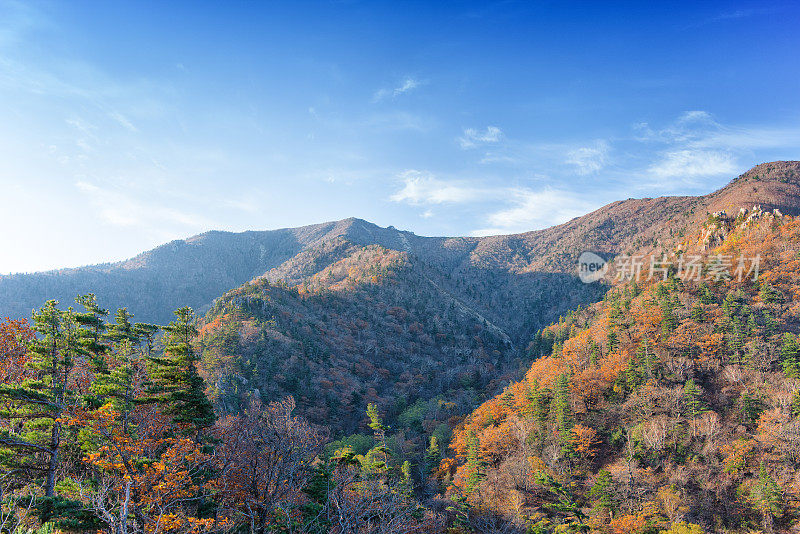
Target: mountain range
(344, 313)
(518, 282)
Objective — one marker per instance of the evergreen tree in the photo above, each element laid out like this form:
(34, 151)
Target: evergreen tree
(668, 319)
(647, 359)
(752, 325)
(633, 375)
(594, 353)
(767, 497)
(698, 313)
(706, 296)
(379, 455)
(475, 464)
(603, 492)
(790, 350)
(32, 438)
(612, 340)
(751, 408)
(769, 295)
(433, 455)
(562, 403)
(770, 325)
(735, 338)
(92, 332)
(175, 382)
(692, 401)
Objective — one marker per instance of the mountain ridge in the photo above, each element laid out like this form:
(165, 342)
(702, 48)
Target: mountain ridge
(196, 270)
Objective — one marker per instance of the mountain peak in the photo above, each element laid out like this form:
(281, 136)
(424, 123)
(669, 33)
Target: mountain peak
(773, 185)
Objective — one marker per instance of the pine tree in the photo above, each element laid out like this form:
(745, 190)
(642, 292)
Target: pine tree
(633, 375)
(433, 455)
(770, 325)
(767, 498)
(706, 296)
(769, 295)
(562, 408)
(668, 319)
(122, 385)
(692, 401)
(175, 382)
(751, 408)
(562, 403)
(698, 313)
(612, 340)
(378, 455)
(603, 492)
(475, 464)
(647, 359)
(594, 353)
(92, 331)
(735, 338)
(752, 325)
(790, 350)
(32, 438)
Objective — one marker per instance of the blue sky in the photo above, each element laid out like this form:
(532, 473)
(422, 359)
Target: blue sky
(124, 125)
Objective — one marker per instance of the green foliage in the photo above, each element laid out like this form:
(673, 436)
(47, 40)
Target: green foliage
(32, 438)
(669, 321)
(562, 403)
(612, 340)
(766, 496)
(413, 415)
(698, 313)
(603, 492)
(565, 506)
(751, 407)
(790, 355)
(769, 294)
(683, 528)
(175, 382)
(358, 443)
(706, 296)
(433, 455)
(692, 399)
(475, 463)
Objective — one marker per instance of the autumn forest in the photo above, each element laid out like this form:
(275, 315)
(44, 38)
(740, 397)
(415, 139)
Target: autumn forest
(438, 386)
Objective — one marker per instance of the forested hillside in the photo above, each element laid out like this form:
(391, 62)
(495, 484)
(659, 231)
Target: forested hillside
(672, 405)
(363, 380)
(518, 282)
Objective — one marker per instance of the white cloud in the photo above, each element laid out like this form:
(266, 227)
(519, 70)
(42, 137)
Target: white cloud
(123, 121)
(695, 116)
(473, 137)
(423, 188)
(517, 209)
(693, 163)
(122, 209)
(589, 159)
(532, 210)
(407, 85)
(696, 145)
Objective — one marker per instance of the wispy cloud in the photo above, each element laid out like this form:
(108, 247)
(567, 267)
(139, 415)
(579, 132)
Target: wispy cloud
(508, 209)
(696, 145)
(421, 188)
(120, 208)
(473, 138)
(407, 85)
(589, 159)
(692, 164)
(532, 210)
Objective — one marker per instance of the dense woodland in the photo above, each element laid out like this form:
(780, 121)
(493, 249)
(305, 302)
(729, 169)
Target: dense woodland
(342, 402)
